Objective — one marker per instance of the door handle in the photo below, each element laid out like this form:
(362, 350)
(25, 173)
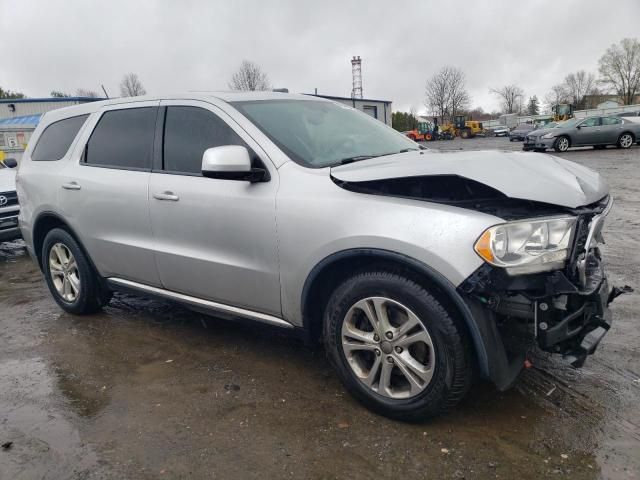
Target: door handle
(71, 186)
(166, 196)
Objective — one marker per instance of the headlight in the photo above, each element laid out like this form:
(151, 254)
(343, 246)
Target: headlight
(527, 246)
(547, 136)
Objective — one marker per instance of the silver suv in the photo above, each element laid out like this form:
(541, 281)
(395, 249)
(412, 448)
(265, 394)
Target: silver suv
(418, 270)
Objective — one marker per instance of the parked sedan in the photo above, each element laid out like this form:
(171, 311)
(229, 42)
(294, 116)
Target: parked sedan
(580, 132)
(520, 132)
(499, 131)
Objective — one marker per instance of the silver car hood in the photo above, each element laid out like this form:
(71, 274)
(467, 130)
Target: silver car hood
(521, 175)
(7, 180)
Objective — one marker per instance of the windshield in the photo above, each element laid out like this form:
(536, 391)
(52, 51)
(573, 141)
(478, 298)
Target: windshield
(570, 123)
(318, 134)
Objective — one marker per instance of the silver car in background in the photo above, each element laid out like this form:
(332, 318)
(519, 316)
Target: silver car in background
(417, 270)
(598, 132)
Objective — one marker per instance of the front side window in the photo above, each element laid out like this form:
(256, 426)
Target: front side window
(611, 121)
(319, 134)
(188, 132)
(123, 139)
(56, 139)
(591, 122)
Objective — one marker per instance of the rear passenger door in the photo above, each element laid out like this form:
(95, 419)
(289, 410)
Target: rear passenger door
(611, 129)
(104, 191)
(215, 238)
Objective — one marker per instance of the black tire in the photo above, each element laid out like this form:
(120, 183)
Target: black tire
(453, 370)
(560, 145)
(92, 295)
(625, 140)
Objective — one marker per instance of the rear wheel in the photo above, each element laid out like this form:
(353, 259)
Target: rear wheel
(562, 144)
(395, 347)
(70, 277)
(625, 140)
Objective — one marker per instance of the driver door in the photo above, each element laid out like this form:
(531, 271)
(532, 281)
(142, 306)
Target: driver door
(589, 133)
(215, 238)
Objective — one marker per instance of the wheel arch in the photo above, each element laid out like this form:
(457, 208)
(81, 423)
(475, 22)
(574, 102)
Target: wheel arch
(338, 266)
(633, 135)
(47, 221)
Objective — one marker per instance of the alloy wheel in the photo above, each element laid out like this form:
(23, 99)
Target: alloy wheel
(563, 144)
(626, 140)
(388, 348)
(64, 272)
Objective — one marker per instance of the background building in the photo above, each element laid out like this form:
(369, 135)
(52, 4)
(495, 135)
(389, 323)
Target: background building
(378, 109)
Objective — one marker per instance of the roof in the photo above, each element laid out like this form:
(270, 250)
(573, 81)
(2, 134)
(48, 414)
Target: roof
(90, 107)
(31, 120)
(50, 99)
(331, 97)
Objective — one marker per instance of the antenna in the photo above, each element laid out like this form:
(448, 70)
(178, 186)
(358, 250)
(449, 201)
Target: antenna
(356, 73)
(105, 91)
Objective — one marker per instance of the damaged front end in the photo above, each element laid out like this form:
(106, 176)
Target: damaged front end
(563, 311)
(543, 283)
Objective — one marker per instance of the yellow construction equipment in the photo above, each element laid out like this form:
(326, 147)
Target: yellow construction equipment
(562, 112)
(463, 127)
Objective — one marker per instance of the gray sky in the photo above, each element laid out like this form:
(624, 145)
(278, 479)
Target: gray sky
(177, 46)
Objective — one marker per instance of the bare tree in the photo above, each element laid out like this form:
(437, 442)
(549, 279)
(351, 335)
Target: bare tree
(446, 92)
(620, 69)
(83, 92)
(511, 97)
(557, 94)
(249, 77)
(58, 94)
(131, 86)
(579, 84)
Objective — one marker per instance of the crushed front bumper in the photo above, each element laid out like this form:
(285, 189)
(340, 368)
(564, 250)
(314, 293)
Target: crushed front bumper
(537, 143)
(564, 312)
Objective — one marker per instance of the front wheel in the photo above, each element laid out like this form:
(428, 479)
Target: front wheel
(70, 277)
(562, 144)
(395, 347)
(625, 140)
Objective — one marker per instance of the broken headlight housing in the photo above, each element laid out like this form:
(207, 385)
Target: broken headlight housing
(529, 246)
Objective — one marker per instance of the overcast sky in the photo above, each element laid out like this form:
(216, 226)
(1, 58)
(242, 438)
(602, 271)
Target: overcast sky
(178, 46)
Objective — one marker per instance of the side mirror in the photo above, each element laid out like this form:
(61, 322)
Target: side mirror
(10, 163)
(231, 162)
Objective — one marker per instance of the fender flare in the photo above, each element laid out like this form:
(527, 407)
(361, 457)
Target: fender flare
(436, 277)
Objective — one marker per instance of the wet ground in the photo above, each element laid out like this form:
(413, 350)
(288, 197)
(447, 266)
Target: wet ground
(151, 390)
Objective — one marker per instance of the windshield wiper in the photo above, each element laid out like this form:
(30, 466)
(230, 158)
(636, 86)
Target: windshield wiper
(356, 158)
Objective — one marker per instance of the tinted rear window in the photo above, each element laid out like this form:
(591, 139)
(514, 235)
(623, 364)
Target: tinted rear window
(123, 139)
(57, 138)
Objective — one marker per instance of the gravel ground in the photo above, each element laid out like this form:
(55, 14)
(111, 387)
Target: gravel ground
(150, 390)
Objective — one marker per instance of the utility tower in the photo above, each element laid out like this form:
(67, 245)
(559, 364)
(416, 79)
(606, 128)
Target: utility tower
(356, 72)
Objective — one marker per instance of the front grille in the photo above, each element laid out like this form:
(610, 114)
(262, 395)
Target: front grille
(12, 199)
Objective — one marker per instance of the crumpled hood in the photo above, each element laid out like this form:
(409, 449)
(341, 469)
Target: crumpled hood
(521, 175)
(7, 179)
